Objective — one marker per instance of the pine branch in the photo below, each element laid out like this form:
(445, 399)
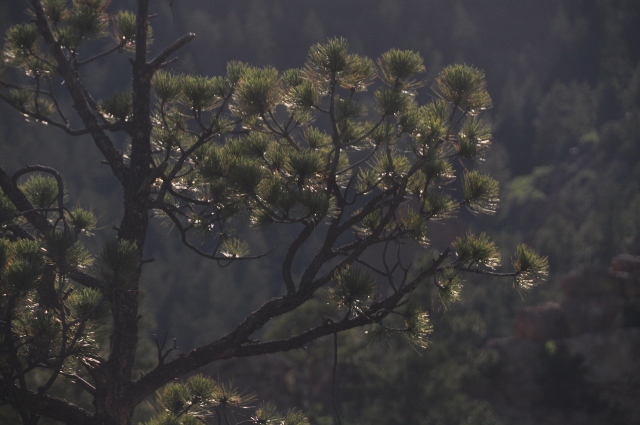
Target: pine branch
(33, 216)
(22, 204)
(76, 89)
(44, 119)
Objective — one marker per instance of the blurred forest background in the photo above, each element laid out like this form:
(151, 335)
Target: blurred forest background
(564, 77)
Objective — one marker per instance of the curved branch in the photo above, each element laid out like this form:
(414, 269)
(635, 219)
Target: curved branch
(20, 201)
(44, 169)
(291, 252)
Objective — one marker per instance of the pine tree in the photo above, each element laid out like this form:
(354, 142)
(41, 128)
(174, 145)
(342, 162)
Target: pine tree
(295, 149)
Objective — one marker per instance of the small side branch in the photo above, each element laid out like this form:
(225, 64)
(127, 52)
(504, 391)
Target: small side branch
(99, 55)
(157, 62)
(80, 382)
(162, 353)
(44, 119)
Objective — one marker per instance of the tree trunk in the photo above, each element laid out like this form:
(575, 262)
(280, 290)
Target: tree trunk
(114, 404)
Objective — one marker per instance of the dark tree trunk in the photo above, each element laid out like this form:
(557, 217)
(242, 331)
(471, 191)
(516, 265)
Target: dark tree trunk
(114, 404)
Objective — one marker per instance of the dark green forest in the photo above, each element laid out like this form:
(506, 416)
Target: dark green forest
(564, 79)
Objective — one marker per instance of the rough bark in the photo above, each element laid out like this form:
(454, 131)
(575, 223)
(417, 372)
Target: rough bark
(114, 404)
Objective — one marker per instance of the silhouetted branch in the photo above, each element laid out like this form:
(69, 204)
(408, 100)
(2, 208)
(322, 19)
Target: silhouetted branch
(158, 61)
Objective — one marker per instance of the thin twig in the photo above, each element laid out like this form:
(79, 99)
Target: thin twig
(99, 55)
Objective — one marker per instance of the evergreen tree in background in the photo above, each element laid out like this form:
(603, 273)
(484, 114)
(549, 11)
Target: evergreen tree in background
(210, 155)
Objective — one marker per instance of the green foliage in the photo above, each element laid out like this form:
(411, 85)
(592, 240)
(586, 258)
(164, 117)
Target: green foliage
(267, 414)
(174, 398)
(33, 331)
(385, 134)
(245, 174)
(41, 191)
(83, 220)
(234, 248)
(20, 97)
(117, 265)
(22, 50)
(530, 268)
(7, 210)
(20, 42)
(41, 108)
(56, 10)
(21, 267)
(480, 192)
(316, 138)
(125, 28)
(391, 166)
(200, 93)
(167, 85)
(301, 93)
(118, 107)
(258, 91)
(438, 206)
(399, 68)
(38, 332)
(418, 325)
(328, 58)
(295, 417)
(371, 221)
(315, 206)
(464, 87)
(475, 250)
(473, 139)
(416, 225)
(86, 304)
(390, 102)
(449, 285)
(358, 74)
(67, 37)
(200, 398)
(64, 250)
(353, 287)
(88, 17)
(305, 165)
